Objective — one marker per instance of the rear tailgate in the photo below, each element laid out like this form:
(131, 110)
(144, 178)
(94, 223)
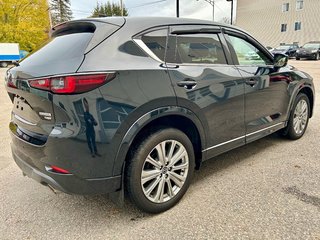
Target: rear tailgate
(34, 114)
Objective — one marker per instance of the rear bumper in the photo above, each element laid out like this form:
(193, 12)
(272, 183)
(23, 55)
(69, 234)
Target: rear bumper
(69, 183)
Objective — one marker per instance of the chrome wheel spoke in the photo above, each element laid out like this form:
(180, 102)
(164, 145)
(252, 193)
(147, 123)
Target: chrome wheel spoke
(296, 126)
(155, 163)
(149, 175)
(177, 156)
(178, 179)
(152, 186)
(159, 194)
(173, 145)
(301, 126)
(303, 107)
(180, 166)
(161, 153)
(170, 189)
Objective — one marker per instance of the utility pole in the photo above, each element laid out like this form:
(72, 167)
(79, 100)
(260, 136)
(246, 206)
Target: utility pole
(211, 2)
(177, 8)
(121, 5)
(49, 14)
(231, 10)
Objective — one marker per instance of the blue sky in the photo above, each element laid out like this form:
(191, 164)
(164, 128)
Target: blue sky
(166, 8)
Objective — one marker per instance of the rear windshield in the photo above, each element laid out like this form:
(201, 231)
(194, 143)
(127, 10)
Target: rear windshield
(61, 48)
(284, 47)
(312, 45)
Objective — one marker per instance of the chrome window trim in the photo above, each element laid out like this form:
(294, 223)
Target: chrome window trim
(201, 64)
(147, 50)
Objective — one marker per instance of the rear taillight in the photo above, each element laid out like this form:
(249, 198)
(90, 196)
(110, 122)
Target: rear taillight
(72, 84)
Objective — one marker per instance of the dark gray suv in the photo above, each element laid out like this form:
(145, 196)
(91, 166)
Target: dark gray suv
(136, 104)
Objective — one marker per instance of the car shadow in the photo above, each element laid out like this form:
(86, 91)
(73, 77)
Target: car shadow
(235, 156)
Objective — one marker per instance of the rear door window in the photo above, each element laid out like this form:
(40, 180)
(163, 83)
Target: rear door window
(196, 49)
(156, 41)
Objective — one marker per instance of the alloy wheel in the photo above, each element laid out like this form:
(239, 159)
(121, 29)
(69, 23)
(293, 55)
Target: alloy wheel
(164, 171)
(300, 116)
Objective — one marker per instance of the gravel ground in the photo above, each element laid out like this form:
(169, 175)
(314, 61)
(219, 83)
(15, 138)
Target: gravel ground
(268, 189)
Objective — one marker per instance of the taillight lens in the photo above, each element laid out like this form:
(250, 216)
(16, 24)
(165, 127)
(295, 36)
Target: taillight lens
(43, 84)
(72, 84)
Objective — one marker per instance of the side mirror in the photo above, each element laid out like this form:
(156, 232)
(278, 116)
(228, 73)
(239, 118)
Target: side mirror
(280, 60)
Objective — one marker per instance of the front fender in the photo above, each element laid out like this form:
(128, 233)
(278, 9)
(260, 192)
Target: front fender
(298, 88)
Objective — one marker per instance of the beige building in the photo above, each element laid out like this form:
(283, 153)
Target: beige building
(274, 22)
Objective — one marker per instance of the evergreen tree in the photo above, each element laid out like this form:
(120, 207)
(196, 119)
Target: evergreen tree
(60, 11)
(108, 9)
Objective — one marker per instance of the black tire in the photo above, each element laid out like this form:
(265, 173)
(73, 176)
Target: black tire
(290, 131)
(297, 58)
(3, 64)
(137, 164)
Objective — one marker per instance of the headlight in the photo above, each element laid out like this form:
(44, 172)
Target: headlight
(298, 51)
(314, 51)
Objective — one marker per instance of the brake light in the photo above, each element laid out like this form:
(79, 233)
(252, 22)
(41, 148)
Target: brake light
(72, 84)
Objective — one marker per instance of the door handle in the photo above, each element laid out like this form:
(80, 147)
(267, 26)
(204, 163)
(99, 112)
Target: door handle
(169, 66)
(251, 82)
(187, 84)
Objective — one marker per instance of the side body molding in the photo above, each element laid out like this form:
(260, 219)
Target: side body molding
(147, 118)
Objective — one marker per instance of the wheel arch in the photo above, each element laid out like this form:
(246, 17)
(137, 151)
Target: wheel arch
(305, 88)
(310, 95)
(176, 117)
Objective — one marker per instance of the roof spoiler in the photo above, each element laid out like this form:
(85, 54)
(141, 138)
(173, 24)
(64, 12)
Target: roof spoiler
(72, 27)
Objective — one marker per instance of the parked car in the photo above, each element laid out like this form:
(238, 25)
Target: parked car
(310, 50)
(136, 104)
(9, 52)
(288, 49)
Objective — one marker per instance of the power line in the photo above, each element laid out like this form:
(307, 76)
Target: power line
(146, 4)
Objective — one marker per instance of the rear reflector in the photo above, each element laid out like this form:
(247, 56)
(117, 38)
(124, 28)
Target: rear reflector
(72, 84)
(10, 84)
(59, 170)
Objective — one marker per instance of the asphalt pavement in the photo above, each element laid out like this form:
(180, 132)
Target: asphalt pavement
(268, 189)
